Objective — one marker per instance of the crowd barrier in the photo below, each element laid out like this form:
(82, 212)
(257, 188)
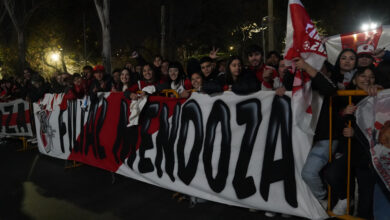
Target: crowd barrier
(348, 93)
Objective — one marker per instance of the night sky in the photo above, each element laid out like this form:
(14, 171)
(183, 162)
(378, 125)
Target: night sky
(199, 24)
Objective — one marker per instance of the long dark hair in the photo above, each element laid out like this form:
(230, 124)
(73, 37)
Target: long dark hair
(337, 76)
(131, 81)
(359, 72)
(154, 79)
(228, 74)
(181, 75)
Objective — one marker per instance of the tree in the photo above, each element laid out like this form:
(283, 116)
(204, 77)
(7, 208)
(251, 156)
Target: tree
(103, 10)
(20, 14)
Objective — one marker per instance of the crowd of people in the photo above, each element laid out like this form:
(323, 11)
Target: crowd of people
(365, 69)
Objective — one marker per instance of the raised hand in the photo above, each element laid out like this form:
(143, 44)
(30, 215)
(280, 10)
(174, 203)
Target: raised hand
(213, 53)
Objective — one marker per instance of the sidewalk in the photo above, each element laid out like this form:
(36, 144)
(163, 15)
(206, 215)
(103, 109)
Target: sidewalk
(48, 191)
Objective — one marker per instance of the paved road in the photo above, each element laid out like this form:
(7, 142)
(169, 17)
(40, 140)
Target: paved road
(34, 186)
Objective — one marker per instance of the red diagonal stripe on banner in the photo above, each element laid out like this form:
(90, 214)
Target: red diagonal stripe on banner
(109, 132)
(14, 117)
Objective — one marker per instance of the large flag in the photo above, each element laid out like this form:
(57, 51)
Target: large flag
(378, 38)
(373, 119)
(302, 40)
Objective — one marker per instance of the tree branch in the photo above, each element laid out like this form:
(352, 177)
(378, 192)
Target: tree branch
(106, 12)
(100, 13)
(29, 14)
(11, 13)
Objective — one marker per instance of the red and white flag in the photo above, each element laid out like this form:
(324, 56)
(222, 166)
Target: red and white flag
(378, 38)
(302, 40)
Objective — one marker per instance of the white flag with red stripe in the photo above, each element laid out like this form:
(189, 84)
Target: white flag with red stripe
(378, 38)
(302, 40)
(373, 119)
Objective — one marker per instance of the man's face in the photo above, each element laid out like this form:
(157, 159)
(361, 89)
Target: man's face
(98, 75)
(282, 67)
(116, 76)
(207, 68)
(87, 73)
(273, 60)
(364, 60)
(255, 59)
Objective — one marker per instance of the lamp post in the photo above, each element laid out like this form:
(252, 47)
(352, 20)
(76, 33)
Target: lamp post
(262, 29)
(271, 45)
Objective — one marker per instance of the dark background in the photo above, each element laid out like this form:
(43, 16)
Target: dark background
(193, 27)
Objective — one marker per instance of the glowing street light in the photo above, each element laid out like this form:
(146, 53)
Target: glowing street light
(231, 48)
(369, 26)
(55, 57)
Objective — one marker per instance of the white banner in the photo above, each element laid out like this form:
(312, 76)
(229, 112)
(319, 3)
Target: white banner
(15, 118)
(373, 119)
(237, 150)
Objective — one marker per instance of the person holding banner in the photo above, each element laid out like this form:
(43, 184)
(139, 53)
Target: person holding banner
(38, 89)
(100, 83)
(196, 81)
(237, 81)
(125, 80)
(177, 81)
(149, 78)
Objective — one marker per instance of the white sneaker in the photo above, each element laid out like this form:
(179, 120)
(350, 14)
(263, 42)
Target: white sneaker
(340, 208)
(270, 214)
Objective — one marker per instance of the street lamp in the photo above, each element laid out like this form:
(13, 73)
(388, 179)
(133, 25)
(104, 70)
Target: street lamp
(55, 56)
(369, 26)
(264, 25)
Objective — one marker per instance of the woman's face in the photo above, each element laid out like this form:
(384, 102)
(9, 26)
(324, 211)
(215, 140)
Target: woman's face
(147, 72)
(173, 73)
(364, 80)
(125, 76)
(347, 61)
(196, 80)
(157, 61)
(235, 67)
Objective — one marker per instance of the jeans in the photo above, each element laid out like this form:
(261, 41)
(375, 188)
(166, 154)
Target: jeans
(316, 160)
(381, 204)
